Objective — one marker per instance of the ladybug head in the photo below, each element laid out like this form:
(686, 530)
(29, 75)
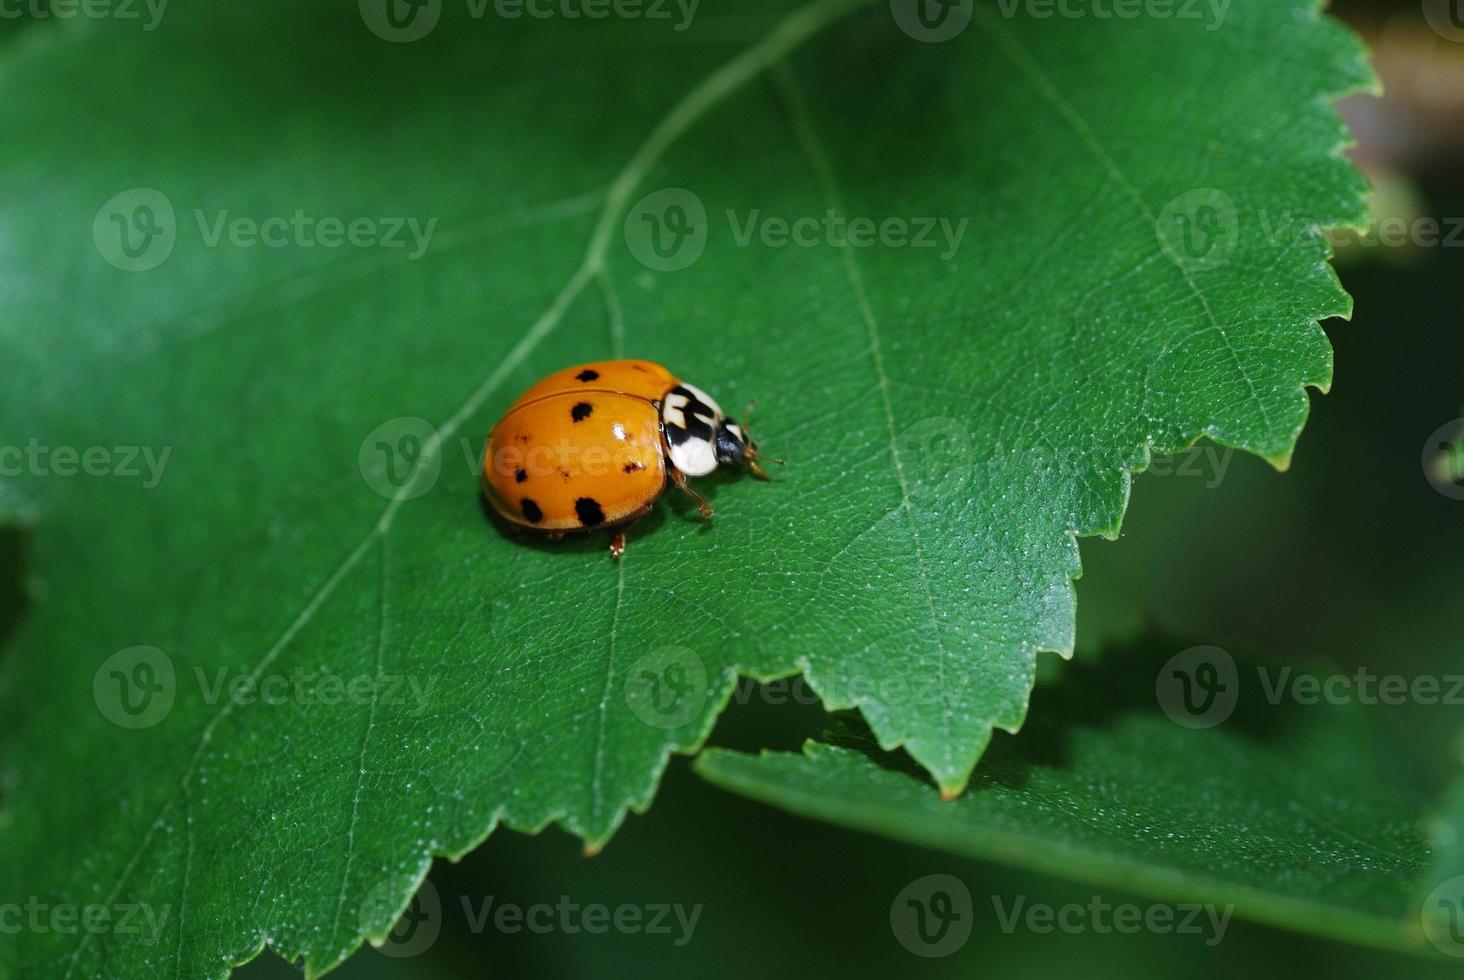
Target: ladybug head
(735, 445)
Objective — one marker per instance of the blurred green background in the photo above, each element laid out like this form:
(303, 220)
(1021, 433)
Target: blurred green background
(1351, 558)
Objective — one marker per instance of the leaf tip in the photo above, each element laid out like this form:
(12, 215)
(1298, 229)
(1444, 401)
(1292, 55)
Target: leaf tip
(952, 788)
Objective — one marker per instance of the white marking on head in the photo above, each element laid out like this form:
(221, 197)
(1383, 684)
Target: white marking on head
(674, 410)
(705, 398)
(694, 457)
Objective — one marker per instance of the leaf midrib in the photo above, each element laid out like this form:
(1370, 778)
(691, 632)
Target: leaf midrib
(713, 89)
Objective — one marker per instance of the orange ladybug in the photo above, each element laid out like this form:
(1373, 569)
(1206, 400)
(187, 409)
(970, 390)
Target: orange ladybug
(594, 445)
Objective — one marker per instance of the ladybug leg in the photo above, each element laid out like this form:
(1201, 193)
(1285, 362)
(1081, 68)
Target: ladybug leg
(679, 478)
(617, 543)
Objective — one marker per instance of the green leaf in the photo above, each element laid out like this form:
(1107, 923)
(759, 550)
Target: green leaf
(951, 415)
(17, 518)
(1297, 815)
(15, 510)
(1441, 892)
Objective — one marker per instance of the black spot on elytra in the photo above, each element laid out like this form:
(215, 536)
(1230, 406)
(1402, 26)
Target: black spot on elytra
(519, 476)
(581, 411)
(531, 510)
(589, 511)
(633, 466)
(588, 375)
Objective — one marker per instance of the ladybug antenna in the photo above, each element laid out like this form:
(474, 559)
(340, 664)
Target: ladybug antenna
(751, 453)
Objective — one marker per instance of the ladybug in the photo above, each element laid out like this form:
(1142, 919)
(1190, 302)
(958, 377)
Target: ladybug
(594, 445)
